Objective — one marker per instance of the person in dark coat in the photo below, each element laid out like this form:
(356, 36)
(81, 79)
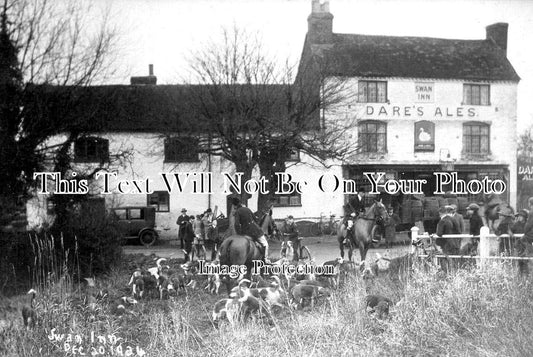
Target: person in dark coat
(188, 237)
(475, 219)
(458, 218)
(245, 224)
(445, 226)
(356, 204)
(519, 224)
(290, 230)
(182, 220)
(524, 244)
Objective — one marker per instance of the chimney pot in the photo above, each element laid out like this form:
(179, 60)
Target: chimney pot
(320, 23)
(150, 69)
(498, 33)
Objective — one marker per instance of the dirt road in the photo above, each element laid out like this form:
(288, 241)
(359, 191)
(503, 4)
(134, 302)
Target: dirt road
(322, 249)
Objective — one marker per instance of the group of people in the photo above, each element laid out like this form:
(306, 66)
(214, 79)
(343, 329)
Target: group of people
(194, 231)
(451, 222)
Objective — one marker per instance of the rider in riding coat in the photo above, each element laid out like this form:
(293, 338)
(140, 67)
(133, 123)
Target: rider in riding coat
(245, 224)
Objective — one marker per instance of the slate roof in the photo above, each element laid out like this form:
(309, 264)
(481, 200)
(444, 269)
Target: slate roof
(414, 57)
(138, 108)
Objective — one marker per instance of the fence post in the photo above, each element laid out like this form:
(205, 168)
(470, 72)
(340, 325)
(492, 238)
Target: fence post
(484, 244)
(414, 238)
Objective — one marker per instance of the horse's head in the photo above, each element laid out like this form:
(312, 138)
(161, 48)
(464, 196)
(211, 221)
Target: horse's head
(379, 212)
(505, 210)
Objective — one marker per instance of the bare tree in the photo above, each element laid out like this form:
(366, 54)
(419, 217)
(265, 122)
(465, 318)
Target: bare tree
(525, 144)
(256, 113)
(53, 52)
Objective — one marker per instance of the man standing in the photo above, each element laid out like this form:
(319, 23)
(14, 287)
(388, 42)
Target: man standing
(245, 224)
(211, 232)
(182, 222)
(445, 226)
(291, 232)
(458, 218)
(475, 219)
(525, 247)
(187, 236)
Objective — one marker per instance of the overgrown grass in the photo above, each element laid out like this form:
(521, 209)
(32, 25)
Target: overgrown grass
(470, 312)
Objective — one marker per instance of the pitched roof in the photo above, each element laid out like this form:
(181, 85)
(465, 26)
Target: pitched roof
(414, 57)
(148, 108)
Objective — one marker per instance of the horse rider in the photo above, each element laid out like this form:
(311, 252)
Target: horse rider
(352, 209)
(245, 224)
(355, 204)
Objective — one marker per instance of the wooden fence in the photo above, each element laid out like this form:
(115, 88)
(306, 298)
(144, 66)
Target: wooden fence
(485, 241)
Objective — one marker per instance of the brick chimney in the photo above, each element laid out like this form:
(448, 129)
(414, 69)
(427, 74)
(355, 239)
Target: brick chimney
(498, 33)
(320, 23)
(149, 79)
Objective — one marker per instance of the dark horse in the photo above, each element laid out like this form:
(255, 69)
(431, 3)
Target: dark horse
(237, 250)
(493, 210)
(268, 226)
(362, 231)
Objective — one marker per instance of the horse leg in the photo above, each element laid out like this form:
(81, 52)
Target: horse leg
(363, 249)
(341, 246)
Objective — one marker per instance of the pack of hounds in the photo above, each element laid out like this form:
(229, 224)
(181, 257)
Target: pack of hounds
(259, 296)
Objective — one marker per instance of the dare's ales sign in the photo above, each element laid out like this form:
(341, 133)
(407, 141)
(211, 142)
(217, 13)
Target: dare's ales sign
(525, 181)
(525, 172)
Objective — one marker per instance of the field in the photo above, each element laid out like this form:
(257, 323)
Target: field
(468, 312)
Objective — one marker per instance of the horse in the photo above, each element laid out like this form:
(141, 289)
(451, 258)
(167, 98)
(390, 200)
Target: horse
(345, 241)
(237, 250)
(267, 224)
(493, 209)
(362, 231)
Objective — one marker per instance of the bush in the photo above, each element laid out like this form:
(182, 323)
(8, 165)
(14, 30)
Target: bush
(95, 240)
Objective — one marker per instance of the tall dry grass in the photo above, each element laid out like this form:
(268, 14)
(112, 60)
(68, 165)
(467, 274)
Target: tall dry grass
(468, 312)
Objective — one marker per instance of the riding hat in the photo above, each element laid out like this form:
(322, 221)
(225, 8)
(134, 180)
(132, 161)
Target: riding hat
(523, 213)
(473, 207)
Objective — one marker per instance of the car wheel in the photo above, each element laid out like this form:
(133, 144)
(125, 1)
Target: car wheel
(148, 238)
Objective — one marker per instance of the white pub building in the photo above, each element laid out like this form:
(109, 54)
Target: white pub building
(422, 105)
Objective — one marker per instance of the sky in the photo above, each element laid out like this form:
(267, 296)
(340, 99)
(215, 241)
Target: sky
(165, 32)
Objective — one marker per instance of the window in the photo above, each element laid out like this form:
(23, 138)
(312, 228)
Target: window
(91, 149)
(293, 199)
(136, 213)
(372, 91)
(181, 149)
(372, 137)
(476, 138)
(476, 94)
(120, 213)
(294, 155)
(159, 200)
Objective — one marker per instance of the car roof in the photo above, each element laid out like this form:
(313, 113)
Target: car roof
(129, 207)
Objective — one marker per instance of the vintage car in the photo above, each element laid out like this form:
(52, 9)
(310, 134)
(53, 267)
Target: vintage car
(137, 222)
